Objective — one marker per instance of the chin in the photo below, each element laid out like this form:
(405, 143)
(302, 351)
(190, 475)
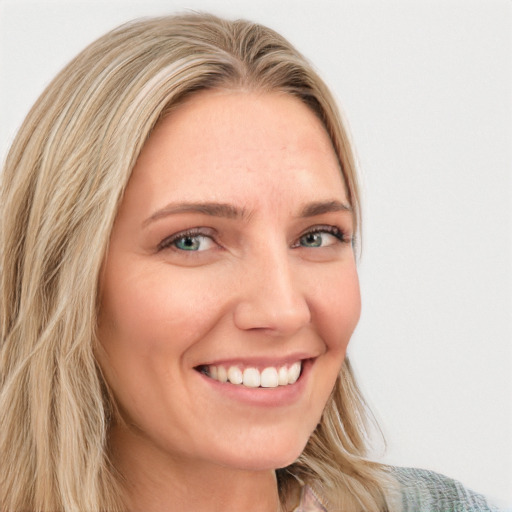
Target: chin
(266, 456)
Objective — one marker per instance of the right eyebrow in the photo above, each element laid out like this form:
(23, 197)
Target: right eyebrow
(225, 210)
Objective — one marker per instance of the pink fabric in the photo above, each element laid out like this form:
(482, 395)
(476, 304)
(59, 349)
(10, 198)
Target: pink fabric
(309, 502)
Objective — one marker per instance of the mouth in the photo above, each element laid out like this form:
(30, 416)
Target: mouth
(253, 377)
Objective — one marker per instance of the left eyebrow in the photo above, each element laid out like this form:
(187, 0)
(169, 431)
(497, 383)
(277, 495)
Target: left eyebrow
(321, 207)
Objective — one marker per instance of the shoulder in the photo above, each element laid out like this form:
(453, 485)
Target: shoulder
(427, 491)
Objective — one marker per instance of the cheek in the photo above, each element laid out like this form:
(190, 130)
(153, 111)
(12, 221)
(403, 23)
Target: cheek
(150, 323)
(147, 324)
(155, 307)
(337, 308)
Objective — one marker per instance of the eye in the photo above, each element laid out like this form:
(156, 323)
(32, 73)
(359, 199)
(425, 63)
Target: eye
(322, 236)
(191, 241)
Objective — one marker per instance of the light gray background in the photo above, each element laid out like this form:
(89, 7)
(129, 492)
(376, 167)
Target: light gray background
(426, 87)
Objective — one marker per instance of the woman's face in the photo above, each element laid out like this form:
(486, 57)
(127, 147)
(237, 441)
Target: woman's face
(230, 258)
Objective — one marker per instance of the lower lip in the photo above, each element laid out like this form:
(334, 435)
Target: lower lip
(279, 396)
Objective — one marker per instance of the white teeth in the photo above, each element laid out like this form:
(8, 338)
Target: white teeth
(235, 375)
(282, 376)
(222, 374)
(251, 378)
(293, 373)
(270, 377)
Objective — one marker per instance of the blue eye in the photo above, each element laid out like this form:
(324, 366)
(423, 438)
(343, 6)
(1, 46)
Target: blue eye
(193, 243)
(312, 240)
(321, 237)
(187, 242)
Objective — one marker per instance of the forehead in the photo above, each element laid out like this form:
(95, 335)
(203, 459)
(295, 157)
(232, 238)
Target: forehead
(236, 145)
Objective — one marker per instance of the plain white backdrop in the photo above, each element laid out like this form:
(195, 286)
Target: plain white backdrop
(427, 89)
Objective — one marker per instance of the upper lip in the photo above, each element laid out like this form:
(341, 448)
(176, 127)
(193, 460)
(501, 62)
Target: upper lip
(259, 362)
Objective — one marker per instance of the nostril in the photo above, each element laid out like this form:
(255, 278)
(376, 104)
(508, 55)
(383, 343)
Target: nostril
(270, 296)
(284, 320)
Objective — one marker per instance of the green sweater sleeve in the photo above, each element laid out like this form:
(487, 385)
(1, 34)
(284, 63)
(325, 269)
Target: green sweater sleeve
(426, 491)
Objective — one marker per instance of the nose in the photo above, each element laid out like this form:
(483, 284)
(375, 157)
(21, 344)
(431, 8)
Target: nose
(270, 296)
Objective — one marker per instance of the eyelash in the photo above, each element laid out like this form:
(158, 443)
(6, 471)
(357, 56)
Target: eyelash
(196, 232)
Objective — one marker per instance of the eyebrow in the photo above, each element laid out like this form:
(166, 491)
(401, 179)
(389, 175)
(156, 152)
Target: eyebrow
(230, 211)
(225, 210)
(321, 207)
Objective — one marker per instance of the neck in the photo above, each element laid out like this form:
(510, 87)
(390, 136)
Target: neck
(157, 482)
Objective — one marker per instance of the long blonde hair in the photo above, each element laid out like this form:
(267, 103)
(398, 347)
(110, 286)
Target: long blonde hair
(63, 181)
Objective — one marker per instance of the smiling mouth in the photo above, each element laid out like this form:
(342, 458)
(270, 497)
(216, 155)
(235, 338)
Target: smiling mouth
(268, 377)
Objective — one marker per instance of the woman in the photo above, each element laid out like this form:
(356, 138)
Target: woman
(179, 216)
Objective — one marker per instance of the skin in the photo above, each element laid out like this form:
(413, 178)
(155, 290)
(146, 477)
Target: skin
(257, 288)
